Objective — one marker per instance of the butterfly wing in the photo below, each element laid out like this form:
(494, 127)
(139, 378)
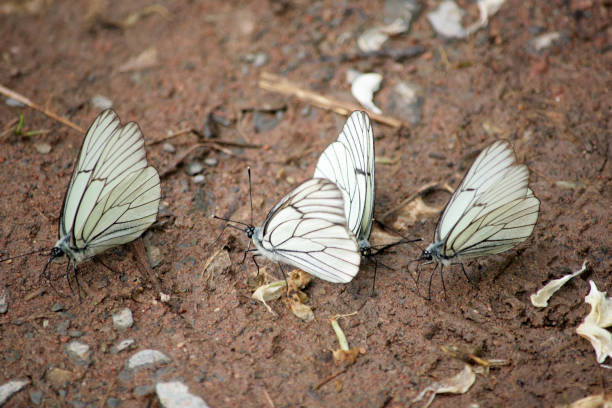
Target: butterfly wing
(492, 210)
(349, 162)
(111, 187)
(307, 229)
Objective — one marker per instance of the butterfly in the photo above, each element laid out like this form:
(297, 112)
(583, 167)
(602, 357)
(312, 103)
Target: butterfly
(307, 229)
(113, 196)
(492, 211)
(349, 163)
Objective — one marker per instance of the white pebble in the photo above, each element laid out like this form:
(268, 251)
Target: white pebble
(145, 358)
(175, 394)
(123, 319)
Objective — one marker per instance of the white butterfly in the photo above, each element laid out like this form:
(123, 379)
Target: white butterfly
(491, 211)
(113, 196)
(307, 229)
(349, 162)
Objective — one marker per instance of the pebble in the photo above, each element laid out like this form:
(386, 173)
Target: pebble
(147, 358)
(3, 303)
(10, 388)
(199, 179)
(14, 103)
(76, 333)
(43, 147)
(123, 345)
(194, 168)
(113, 402)
(123, 319)
(36, 397)
(59, 378)
(168, 147)
(264, 122)
(79, 352)
(154, 255)
(57, 307)
(546, 41)
(101, 102)
(175, 394)
(406, 101)
(144, 390)
(62, 327)
(211, 161)
(258, 59)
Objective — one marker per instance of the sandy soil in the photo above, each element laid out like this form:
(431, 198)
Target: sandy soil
(553, 105)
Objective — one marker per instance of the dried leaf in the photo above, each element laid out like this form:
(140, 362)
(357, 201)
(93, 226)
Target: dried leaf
(446, 20)
(592, 401)
(593, 328)
(459, 384)
(144, 60)
(541, 297)
(487, 9)
(301, 310)
(271, 291)
(363, 88)
(298, 279)
(346, 357)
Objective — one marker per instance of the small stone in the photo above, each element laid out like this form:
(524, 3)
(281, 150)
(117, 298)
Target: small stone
(264, 122)
(154, 255)
(194, 168)
(57, 307)
(3, 303)
(123, 345)
(144, 390)
(199, 179)
(36, 397)
(211, 161)
(43, 147)
(175, 394)
(147, 358)
(546, 41)
(62, 327)
(14, 103)
(123, 319)
(59, 378)
(406, 101)
(79, 352)
(258, 59)
(168, 147)
(101, 102)
(113, 402)
(76, 333)
(10, 388)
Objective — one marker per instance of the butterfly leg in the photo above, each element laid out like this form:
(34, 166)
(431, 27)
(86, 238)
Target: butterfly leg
(246, 251)
(372, 294)
(430, 279)
(76, 279)
(284, 276)
(442, 279)
(255, 262)
(467, 276)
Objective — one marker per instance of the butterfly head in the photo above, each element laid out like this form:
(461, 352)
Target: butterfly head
(249, 231)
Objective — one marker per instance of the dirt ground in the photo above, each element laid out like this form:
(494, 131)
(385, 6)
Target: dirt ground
(206, 57)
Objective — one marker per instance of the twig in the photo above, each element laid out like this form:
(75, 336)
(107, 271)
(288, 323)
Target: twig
(18, 97)
(276, 83)
(328, 379)
(268, 398)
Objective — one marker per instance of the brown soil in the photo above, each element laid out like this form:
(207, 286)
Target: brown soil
(553, 106)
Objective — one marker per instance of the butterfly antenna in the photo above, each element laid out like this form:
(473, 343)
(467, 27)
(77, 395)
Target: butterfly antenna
(22, 255)
(230, 225)
(250, 193)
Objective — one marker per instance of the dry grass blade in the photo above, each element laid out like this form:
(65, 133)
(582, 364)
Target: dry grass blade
(276, 83)
(18, 97)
